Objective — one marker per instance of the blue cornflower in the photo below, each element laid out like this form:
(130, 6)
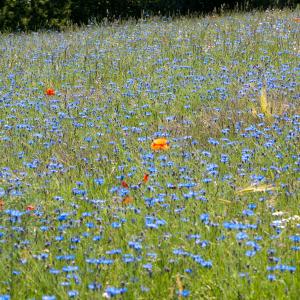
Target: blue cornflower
(128, 258)
(295, 248)
(252, 206)
(95, 286)
(204, 218)
(79, 192)
(206, 180)
(65, 257)
(242, 236)
(46, 297)
(114, 251)
(73, 294)
(271, 277)
(148, 267)
(63, 217)
(135, 245)
(116, 225)
(193, 236)
(213, 141)
(16, 272)
(112, 291)
(181, 252)
(203, 244)
(145, 289)
(99, 180)
(248, 212)
(224, 158)
(70, 269)
(250, 253)
(188, 271)
(184, 293)
(295, 238)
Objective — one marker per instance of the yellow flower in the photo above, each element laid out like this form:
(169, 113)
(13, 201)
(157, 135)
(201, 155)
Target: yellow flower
(264, 105)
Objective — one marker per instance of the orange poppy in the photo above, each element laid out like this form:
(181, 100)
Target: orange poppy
(146, 177)
(50, 92)
(160, 144)
(297, 20)
(127, 200)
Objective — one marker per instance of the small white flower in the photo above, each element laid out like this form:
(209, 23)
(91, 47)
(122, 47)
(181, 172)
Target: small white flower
(278, 213)
(106, 295)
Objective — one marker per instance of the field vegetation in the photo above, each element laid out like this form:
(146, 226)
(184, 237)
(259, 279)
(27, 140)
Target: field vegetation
(156, 159)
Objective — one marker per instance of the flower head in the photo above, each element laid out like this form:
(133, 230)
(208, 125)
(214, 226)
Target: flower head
(124, 184)
(50, 92)
(127, 200)
(30, 207)
(1, 204)
(145, 178)
(160, 144)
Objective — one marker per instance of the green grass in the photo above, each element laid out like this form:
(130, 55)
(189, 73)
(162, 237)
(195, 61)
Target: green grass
(118, 87)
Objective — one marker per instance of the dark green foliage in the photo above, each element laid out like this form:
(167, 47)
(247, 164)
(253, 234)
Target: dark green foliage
(36, 14)
(83, 10)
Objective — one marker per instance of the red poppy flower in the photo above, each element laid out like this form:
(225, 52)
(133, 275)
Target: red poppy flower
(30, 207)
(124, 184)
(146, 177)
(50, 92)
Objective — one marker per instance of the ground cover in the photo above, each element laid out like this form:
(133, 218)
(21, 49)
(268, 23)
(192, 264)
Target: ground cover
(94, 206)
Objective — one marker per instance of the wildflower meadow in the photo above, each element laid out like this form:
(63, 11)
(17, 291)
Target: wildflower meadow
(156, 159)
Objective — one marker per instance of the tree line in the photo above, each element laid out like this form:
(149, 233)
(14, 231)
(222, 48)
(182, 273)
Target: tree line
(56, 14)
